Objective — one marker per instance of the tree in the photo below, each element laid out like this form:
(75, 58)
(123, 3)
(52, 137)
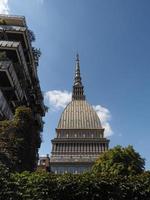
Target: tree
(20, 140)
(31, 35)
(120, 161)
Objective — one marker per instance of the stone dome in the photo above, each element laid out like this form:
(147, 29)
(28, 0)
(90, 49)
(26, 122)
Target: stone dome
(78, 114)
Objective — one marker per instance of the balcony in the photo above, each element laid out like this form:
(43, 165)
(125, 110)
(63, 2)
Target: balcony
(14, 52)
(19, 32)
(5, 111)
(9, 80)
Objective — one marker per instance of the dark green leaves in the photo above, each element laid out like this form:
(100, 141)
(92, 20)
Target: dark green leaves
(46, 186)
(120, 161)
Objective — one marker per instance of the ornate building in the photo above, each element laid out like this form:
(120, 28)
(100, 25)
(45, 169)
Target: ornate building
(19, 86)
(79, 134)
(19, 82)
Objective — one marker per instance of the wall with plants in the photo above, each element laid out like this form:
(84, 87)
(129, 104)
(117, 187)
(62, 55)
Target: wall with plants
(19, 141)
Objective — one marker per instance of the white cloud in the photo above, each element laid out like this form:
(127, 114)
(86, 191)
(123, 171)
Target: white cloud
(4, 7)
(105, 116)
(59, 99)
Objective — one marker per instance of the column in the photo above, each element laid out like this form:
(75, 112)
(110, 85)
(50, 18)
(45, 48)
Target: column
(76, 147)
(62, 148)
(66, 147)
(81, 147)
(88, 147)
(58, 148)
(101, 147)
(73, 147)
(70, 147)
(98, 147)
(94, 147)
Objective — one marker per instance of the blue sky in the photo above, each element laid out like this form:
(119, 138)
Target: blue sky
(113, 40)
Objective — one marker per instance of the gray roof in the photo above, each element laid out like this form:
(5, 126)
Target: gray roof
(79, 115)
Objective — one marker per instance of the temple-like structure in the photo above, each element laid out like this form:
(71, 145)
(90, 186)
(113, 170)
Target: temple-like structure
(19, 82)
(79, 134)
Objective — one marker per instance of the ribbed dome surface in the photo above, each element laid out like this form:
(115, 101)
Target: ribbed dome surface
(79, 115)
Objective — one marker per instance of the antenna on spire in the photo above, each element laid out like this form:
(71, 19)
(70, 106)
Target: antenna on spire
(77, 79)
(77, 57)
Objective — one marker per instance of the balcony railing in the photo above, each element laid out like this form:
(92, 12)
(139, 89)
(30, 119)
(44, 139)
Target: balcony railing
(7, 67)
(4, 107)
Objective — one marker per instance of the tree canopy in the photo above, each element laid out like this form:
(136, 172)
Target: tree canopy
(120, 161)
(20, 140)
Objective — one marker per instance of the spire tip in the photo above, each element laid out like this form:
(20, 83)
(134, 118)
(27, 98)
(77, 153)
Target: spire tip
(77, 57)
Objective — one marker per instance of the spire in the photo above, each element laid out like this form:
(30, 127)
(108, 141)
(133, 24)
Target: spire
(78, 91)
(77, 79)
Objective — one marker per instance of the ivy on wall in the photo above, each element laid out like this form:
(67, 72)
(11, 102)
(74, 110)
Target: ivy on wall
(19, 141)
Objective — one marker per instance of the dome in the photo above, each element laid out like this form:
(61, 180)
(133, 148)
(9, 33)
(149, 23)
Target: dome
(78, 114)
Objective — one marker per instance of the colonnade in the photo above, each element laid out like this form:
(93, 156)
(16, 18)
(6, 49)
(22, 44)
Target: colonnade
(79, 147)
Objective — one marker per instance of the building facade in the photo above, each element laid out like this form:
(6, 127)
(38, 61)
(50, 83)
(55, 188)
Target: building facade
(19, 82)
(44, 163)
(79, 135)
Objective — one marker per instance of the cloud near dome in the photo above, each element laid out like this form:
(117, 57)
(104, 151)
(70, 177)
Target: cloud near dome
(105, 117)
(58, 99)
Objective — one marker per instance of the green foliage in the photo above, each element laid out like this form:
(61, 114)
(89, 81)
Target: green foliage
(35, 185)
(31, 35)
(19, 141)
(6, 184)
(36, 55)
(45, 186)
(120, 161)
